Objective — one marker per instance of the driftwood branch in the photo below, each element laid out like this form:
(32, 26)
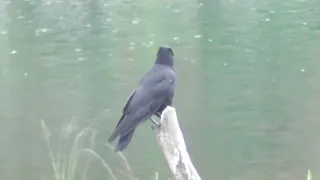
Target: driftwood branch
(170, 139)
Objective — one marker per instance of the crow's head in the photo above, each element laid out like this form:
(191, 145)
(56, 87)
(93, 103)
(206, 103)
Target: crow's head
(165, 56)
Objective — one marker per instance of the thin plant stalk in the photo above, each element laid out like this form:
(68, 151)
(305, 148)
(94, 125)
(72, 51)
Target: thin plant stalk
(103, 162)
(309, 176)
(74, 153)
(53, 160)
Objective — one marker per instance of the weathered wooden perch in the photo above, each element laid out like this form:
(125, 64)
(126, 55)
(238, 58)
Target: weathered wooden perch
(171, 140)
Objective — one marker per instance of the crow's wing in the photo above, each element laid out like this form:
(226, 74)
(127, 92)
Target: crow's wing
(157, 82)
(128, 101)
(143, 103)
(125, 106)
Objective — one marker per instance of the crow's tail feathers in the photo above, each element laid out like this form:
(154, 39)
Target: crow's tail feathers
(112, 137)
(124, 141)
(125, 131)
(116, 132)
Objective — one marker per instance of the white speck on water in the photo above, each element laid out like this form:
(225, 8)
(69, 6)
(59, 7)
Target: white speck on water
(197, 36)
(109, 54)
(131, 47)
(3, 32)
(25, 74)
(152, 35)
(253, 8)
(88, 25)
(115, 31)
(145, 44)
(20, 17)
(132, 43)
(80, 58)
(271, 12)
(130, 59)
(41, 30)
(292, 11)
(176, 10)
(225, 64)
(136, 21)
(267, 19)
(13, 52)
(248, 50)
(151, 42)
(302, 70)
(210, 40)
(192, 61)
(77, 49)
(304, 23)
(201, 4)
(167, 6)
(109, 19)
(175, 38)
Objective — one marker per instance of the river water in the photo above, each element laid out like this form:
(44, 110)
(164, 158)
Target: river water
(247, 97)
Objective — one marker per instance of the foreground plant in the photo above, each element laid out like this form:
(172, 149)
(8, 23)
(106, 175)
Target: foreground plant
(309, 176)
(65, 159)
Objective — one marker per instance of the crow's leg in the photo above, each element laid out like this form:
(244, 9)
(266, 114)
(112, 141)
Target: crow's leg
(154, 121)
(158, 115)
(155, 124)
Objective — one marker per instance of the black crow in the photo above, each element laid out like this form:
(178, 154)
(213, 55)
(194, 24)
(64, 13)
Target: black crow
(152, 95)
